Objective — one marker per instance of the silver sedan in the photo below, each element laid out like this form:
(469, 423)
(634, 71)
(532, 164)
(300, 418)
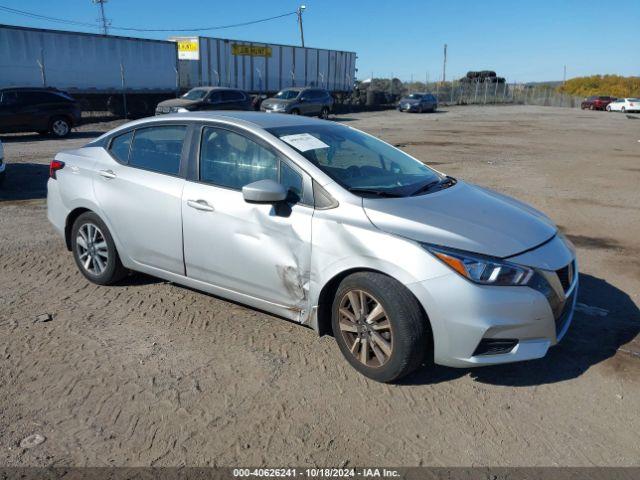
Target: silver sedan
(324, 225)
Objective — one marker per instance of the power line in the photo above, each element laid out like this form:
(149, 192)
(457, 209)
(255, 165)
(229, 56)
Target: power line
(132, 29)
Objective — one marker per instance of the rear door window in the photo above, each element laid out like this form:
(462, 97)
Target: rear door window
(214, 97)
(158, 148)
(232, 96)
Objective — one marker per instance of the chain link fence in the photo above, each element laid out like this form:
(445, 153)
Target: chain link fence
(386, 92)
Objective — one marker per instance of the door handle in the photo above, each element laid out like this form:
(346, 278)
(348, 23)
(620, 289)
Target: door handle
(200, 205)
(107, 174)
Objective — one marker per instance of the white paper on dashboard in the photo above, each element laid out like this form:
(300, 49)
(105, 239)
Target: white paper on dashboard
(304, 142)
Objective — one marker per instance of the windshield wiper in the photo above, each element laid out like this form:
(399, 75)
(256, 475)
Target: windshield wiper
(370, 191)
(445, 182)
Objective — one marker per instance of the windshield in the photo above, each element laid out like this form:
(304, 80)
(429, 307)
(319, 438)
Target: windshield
(357, 161)
(287, 94)
(195, 94)
(415, 96)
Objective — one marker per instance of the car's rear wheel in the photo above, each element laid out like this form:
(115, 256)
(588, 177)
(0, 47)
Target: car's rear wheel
(59, 127)
(295, 111)
(623, 109)
(379, 326)
(94, 250)
(324, 113)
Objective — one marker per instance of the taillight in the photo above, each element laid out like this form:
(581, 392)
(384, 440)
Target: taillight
(54, 167)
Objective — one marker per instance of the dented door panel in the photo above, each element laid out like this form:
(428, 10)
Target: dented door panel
(263, 251)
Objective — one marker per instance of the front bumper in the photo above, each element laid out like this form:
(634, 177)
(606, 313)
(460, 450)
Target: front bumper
(272, 110)
(464, 314)
(408, 108)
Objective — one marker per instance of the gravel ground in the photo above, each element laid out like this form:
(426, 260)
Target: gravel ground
(150, 373)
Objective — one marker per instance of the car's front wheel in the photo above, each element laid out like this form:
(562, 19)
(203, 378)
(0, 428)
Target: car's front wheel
(324, 113)
(95, 251)
(379, 326)
(608, 108)
(59, 127)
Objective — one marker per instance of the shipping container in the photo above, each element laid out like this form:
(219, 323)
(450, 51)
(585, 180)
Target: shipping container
(93, 68)
(261, 67)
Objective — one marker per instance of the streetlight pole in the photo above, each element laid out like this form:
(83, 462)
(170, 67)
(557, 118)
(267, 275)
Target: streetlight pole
(299, 11)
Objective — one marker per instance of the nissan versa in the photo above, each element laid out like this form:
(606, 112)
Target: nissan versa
(322, 224)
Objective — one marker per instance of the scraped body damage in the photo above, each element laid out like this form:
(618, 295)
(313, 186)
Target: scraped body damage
(345, 240)
(261, 250)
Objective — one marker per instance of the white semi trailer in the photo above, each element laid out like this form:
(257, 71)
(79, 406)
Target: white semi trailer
(101, 71)
(262, 67)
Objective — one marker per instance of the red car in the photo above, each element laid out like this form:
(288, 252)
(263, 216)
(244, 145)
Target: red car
(596, 103)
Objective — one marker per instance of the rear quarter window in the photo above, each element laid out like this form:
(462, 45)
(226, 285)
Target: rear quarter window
(120, 146)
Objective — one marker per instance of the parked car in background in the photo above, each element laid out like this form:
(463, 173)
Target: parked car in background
(624, 105)
(207, 98)
(300, 101)
(2, 164)
(324, 225)
(418, 102)
(596, 102)
(42, 110)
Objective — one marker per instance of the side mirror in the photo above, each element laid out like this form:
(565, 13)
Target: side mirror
(264, 191)
(302, 99)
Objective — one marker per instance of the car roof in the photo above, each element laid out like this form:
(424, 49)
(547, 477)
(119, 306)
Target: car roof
(34, 89)
(208, 88)
(247, 119)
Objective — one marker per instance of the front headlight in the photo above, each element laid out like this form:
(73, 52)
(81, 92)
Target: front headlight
(482, 269)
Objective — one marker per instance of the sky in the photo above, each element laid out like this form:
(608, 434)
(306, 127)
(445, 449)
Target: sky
(521, 40)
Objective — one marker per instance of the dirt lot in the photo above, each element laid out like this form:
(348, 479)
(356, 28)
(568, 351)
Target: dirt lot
(150, 373)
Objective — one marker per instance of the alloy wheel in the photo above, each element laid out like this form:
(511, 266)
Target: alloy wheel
(91, 247)
(60, 128)
(365, 328)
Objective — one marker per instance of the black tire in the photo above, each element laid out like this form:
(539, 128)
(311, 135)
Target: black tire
(60, 127)
(295, 111)
(623, 110)
(324, 113)
(410, 334)
(113, 270)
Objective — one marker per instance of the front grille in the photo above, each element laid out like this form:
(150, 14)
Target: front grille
(565, 275)
(565, 313)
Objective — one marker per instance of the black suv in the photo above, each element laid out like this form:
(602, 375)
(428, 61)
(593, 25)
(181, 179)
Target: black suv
(42, 110)
(207, 98)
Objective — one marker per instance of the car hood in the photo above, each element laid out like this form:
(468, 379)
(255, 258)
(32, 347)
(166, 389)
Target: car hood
(269, 102)
(179, 102)
(466, 217)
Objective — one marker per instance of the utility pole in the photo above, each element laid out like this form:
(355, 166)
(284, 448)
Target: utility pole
(444, 65)
(564, 76)
(299, 11)
(103, 20)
